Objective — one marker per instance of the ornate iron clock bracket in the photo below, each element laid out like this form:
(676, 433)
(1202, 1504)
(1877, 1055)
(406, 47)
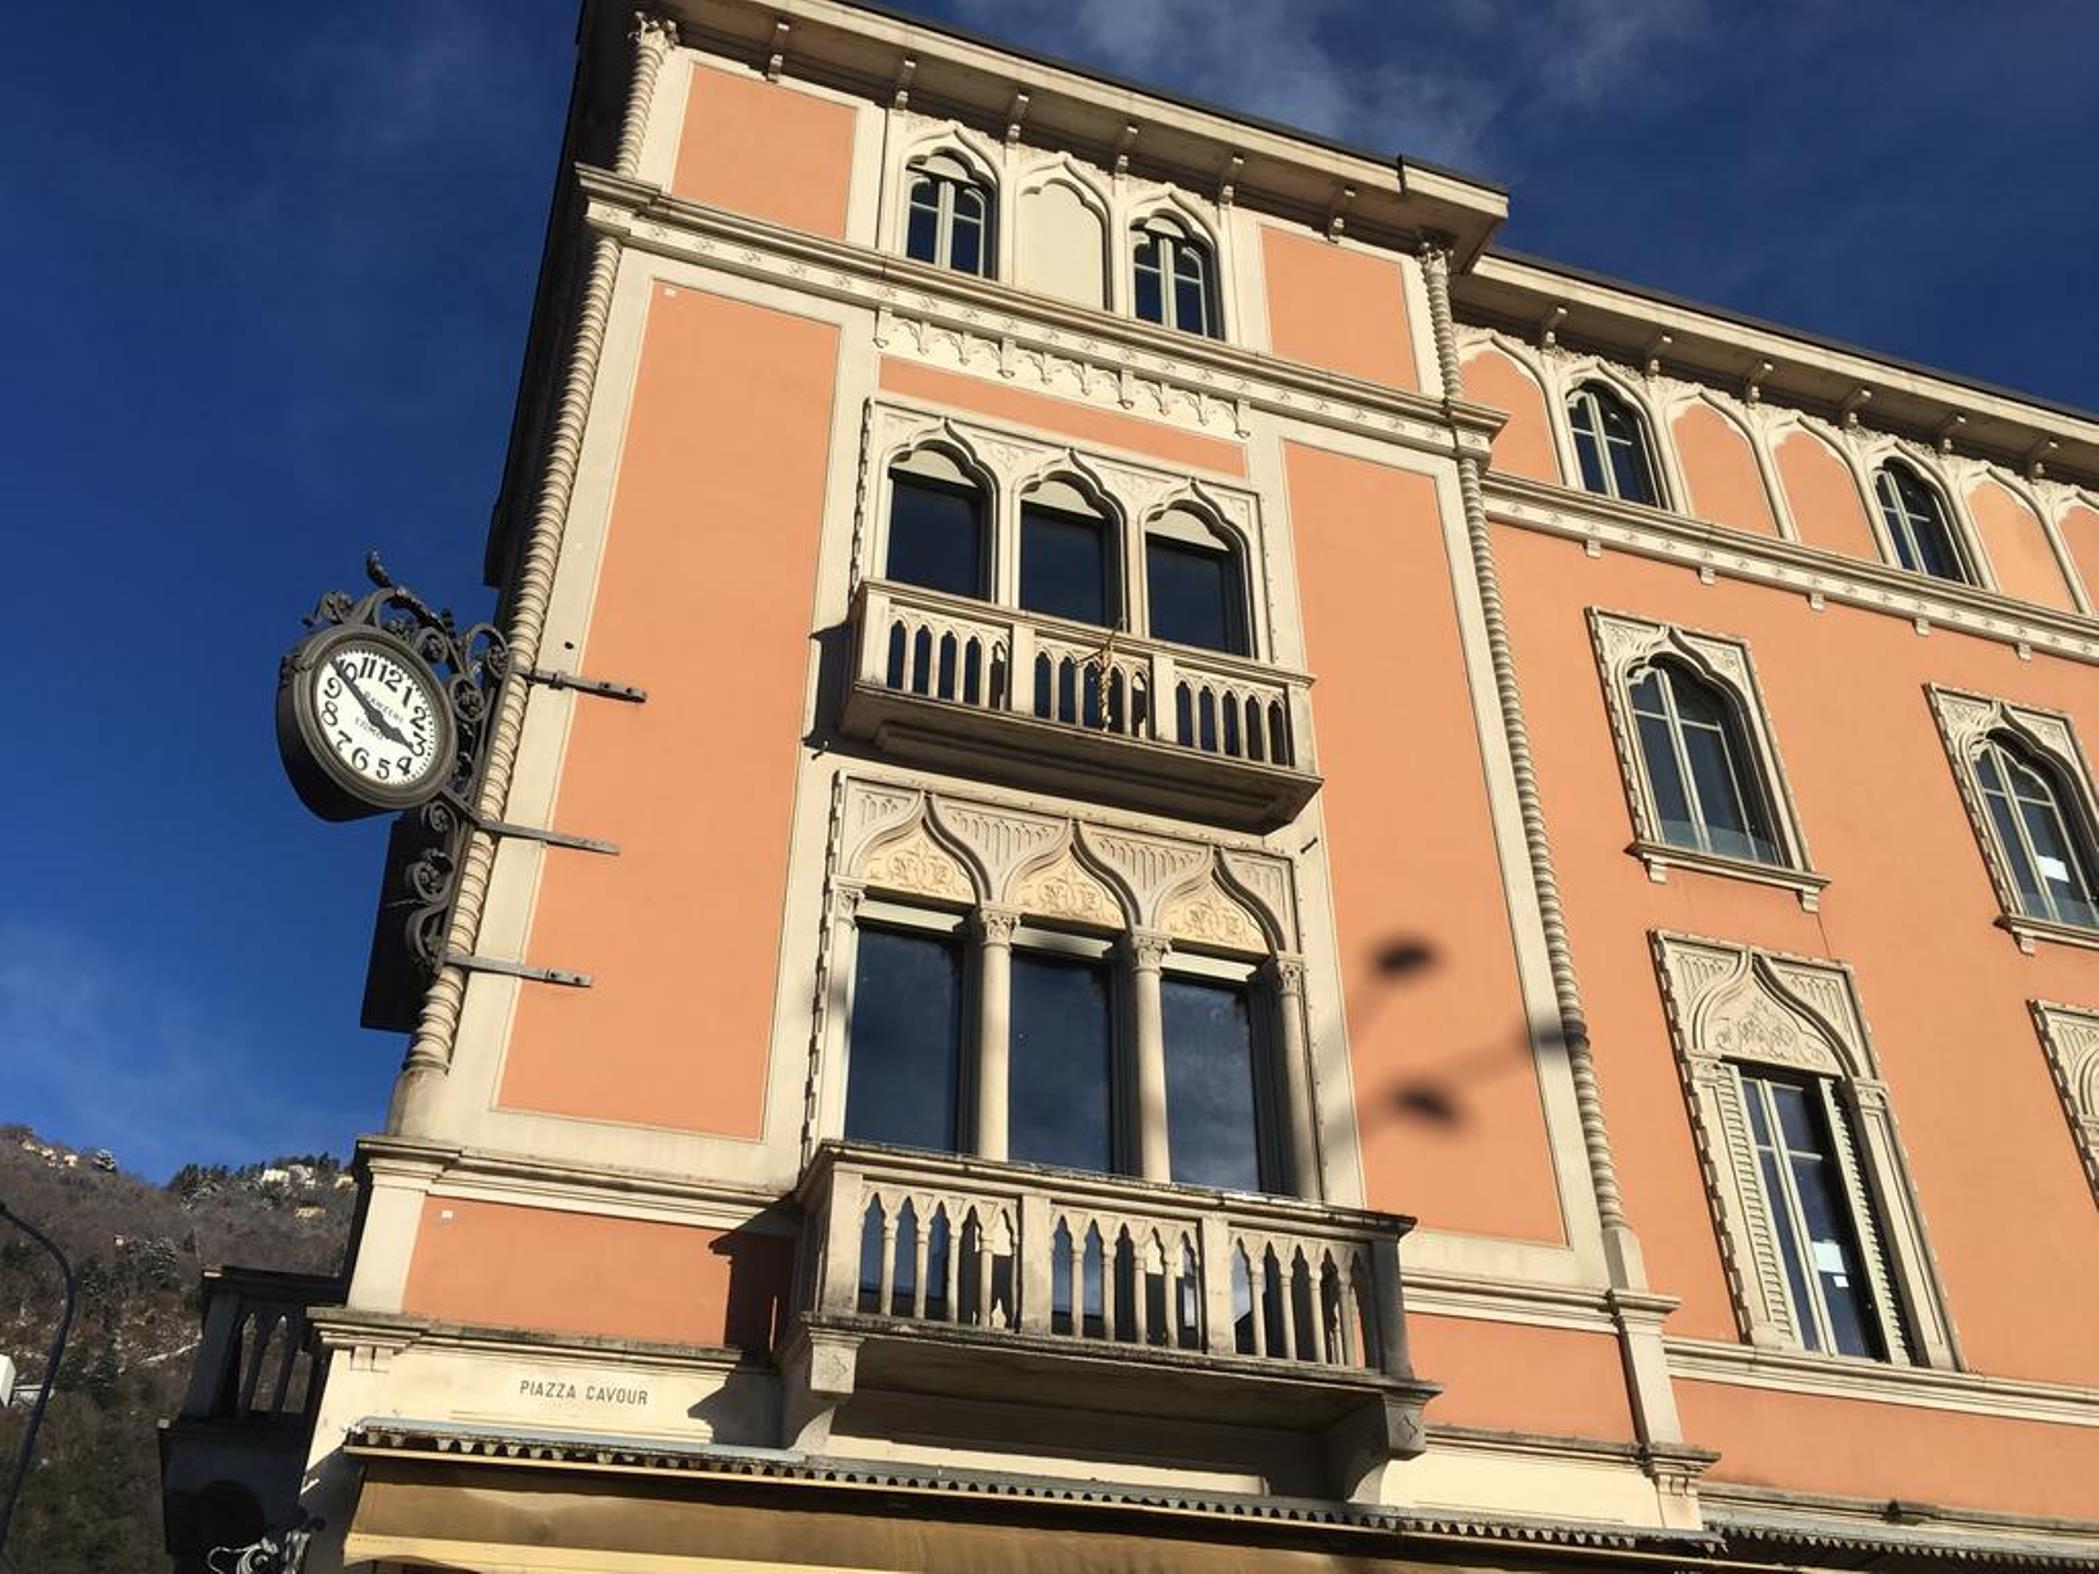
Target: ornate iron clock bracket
(428, 844)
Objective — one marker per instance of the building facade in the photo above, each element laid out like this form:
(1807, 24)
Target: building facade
(1290, 892)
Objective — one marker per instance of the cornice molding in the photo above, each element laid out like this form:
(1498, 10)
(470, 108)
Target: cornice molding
(1878, 1382)
(1108, 360)
(1712, 550)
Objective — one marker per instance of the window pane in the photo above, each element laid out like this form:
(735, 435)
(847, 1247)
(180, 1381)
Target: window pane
(2024, 876)
(1064, 565)
(1629, 471)
(1730, 820)
(1671, 805)
(1191, 300)
(922, 234)
(905, 1059)
(1211, 1124)
(1589, 451)
(935, 538)
(1151, 302)
(1061, 1066)
(1835, 1252)
(1194, 595)
(2055, 862)
(966, 243)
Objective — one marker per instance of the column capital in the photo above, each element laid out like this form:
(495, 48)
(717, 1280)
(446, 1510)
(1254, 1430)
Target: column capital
(1288, 971)
(1147, 948)
(846, 897)
(652, 30)
(995, 925)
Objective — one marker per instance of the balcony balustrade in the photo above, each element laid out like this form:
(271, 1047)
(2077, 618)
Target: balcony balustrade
(988, 690)
(231, 1459)
(942, 1274)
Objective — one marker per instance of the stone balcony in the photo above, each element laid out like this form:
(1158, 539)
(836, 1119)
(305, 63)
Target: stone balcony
(947, 1277)
(231, 1459)
(983, 690)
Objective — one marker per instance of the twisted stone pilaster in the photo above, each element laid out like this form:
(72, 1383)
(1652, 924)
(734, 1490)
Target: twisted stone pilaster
(1621, 1248)
(429, 1058)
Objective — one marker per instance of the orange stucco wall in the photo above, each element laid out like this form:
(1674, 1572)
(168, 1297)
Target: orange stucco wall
(1513, 1378)
(1858, 1449)
(1341, 309)
(1451, 1126)
(2080, 532)
(704, 600)
(1824, 499)
(1720, 469)
(1524, 444)
(2018, 548)
(1131, 433)
(1909, 907)
(768, 149)
(501, 1266)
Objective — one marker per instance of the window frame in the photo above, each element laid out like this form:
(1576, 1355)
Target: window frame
(1731, 1006)
(1170, 233)
(2070, 1040)
(1203, 531)
(1596, 389)
(973, 481)
(949, 173)
(1893, 538)
(1969, 723)
(1625, 646)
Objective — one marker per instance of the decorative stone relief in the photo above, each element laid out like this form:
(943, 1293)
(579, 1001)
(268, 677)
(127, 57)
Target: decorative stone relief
(1149, 865)
(2070, 1035)
(915, 863)
(1732, 1006)
(967, 850)
(1000, 840)
(1062, 888)
(1208, 915)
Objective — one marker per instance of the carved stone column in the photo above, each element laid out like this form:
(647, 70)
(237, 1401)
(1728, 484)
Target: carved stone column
(994, 932)
(1147, 952)
(1300, 1118)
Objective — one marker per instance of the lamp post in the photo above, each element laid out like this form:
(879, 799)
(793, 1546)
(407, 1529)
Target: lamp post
(43, 1397)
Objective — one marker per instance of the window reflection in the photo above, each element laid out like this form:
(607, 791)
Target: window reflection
(1213, 1131)
(904, 1065)
(1061, 1063)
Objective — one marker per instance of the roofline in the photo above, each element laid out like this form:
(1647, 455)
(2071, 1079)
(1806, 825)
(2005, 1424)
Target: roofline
(1743, 319)
(1184, 100)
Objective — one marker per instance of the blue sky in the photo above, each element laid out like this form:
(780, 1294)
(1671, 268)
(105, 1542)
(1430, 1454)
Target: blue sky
(264, 281)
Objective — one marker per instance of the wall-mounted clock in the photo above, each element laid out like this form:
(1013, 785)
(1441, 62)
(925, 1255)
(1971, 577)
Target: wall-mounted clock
(363, 723)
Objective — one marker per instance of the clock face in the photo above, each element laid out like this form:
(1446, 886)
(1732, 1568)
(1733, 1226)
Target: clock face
(378, 715)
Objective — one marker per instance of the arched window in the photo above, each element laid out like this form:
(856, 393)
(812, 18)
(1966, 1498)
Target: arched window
(1610, 441)
(1195, 584)
(1700, 767)
(936, 526)
(1175, 277)
(1915, 515)
(1067, 556)
(948, 216)
(2046, 849)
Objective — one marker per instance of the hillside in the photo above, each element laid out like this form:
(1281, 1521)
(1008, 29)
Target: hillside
(92, 1505)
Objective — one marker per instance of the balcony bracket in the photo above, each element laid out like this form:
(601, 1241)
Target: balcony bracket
(1362, 1443)
(818, 1370)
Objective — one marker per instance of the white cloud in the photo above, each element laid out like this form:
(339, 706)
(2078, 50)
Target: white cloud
(1434, 82)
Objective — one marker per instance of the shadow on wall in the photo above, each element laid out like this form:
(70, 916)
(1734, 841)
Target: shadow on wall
(760, 1254)
(1435, 1094)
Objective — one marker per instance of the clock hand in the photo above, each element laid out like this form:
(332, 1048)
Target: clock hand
(378, 717)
